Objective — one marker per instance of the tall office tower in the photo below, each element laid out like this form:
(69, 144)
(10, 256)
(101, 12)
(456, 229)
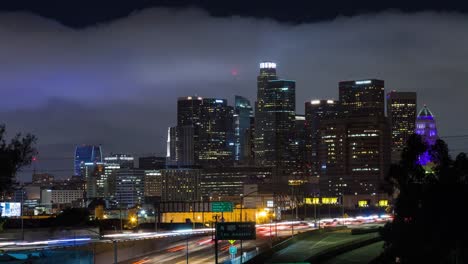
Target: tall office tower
(124, 160)
(188, 129)
(86, 154)
(274, 121)
(280, 107)
(172, 151)
(93, 173)
(317, 111)
(362, 98)
(353, 155)
(130, 186)
(298, 147)
(426, 128)
(215, 133)
(250, 139)
(242, 114)
(401, 112)
(151, 163)
(267, 73)
(107, 180)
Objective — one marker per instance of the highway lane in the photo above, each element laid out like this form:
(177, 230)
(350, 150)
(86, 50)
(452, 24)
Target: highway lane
(201, 250)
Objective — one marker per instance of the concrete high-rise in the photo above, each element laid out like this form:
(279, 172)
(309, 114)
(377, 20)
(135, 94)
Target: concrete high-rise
(274, 121)
(401, 112)
(86, 154)
(362, 98)
(316, 111)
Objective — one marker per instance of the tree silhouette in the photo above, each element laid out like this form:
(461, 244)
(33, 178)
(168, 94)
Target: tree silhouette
(72, 217)
(428, 224)
(13, 156)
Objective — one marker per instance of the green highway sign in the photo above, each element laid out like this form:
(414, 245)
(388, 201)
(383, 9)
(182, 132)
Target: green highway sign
(220, 207)
(236, 231)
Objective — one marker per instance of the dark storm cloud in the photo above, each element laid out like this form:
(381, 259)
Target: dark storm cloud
(117, 84)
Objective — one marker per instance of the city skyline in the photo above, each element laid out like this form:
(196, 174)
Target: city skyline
(136, 95)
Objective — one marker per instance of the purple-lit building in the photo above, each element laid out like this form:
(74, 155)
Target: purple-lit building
(426, 128)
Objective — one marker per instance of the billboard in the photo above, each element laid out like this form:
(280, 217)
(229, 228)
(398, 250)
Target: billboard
(10, 209)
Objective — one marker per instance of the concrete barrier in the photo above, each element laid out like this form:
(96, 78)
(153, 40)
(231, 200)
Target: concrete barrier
(268, 252)
(36, 234)
(342, 248)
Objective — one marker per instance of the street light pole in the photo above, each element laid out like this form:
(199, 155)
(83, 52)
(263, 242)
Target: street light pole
(241, 220)
(22, 220)
(186, 251)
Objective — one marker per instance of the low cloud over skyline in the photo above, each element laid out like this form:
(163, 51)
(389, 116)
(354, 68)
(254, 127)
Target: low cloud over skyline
(116, 84)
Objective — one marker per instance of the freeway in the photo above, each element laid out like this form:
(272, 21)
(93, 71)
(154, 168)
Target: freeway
(200, 244)
(201, 249)
(75, 241)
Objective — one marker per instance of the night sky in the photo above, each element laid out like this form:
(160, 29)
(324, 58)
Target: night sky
(111, 75)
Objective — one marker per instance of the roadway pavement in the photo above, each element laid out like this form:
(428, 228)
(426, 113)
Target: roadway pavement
(361, 255)
(314, 244)
(201, 250)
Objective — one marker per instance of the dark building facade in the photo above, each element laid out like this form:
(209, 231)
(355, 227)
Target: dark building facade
(151, 163)
(362, 98)
(275, 121)
(316, 111)
(354, 146)
(228, 182)
(298, 148)
(401, 112)
(188, 129)
(243, 113)
(180, 184)
(86, 154)
(216, 133)
(267, 73)
(353, 155)
(124, 160)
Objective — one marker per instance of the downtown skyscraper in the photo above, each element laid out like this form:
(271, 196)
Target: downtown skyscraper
(189, 111)
(243, 114)
(401, 113)
(316, 111)
(354, 149)
(362, 97)
(274, 120)
(216, 135)
(86, 154)
(204, 133)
